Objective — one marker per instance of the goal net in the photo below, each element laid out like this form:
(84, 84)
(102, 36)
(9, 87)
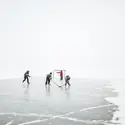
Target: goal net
(59, 75)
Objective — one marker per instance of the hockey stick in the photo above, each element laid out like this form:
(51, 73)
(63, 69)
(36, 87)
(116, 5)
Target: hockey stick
(55, 83)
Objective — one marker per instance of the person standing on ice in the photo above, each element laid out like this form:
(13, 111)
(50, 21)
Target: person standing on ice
(61, 75)
(67, 78)
(26, 77)
(48, 78)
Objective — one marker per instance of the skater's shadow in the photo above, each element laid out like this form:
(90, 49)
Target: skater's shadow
(67, 88)
(61, 82)
(25, 86)
(47, 88)
(26, 94)
(67, 92)
(26, 91)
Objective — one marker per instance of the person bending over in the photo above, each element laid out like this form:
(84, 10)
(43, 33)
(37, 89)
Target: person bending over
(67, 78)
(48, 78)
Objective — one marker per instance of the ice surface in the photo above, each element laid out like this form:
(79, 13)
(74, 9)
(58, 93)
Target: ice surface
(82, 103)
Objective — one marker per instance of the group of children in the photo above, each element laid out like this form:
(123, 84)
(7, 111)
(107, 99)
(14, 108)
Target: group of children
(48, 78)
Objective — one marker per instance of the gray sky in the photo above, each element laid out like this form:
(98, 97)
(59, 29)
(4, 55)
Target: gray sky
(85, 37)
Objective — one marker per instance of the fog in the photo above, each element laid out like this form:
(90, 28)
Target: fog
(85, 37)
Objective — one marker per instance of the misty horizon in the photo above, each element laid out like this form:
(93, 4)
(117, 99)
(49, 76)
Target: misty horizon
(84, 37)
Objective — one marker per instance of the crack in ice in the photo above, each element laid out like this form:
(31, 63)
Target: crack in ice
(9, 123)
(50, 117)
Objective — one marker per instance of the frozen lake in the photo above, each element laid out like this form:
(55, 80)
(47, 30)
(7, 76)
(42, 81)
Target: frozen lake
(83, 103)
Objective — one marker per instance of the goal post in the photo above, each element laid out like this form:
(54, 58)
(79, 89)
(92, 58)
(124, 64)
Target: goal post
(56, 74)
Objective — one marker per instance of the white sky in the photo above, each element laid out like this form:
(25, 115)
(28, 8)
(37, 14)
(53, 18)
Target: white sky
(85, 37)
